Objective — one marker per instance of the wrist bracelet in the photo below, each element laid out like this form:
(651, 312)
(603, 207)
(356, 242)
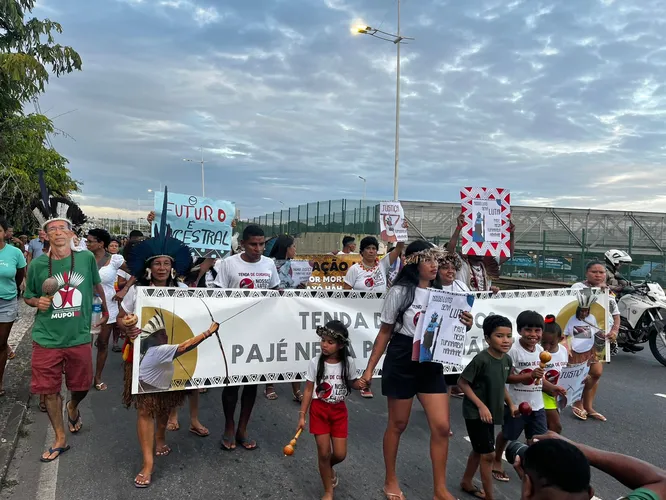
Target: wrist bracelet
(301, 412)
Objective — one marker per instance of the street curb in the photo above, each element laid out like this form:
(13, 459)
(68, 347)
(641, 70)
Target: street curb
(20, 379)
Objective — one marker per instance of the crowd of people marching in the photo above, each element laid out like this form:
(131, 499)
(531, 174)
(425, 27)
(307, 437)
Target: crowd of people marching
(504, 385)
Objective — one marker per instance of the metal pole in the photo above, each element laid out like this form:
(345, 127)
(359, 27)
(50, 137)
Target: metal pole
(397, 114)
(203, 182)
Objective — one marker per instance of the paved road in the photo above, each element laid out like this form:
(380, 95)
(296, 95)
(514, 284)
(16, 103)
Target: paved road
(105, 458)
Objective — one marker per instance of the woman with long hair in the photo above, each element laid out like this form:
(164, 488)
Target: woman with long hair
(595, 277)
(402, 378)
(108, 265)
(12, 272)
(156, 262)
(283, 250)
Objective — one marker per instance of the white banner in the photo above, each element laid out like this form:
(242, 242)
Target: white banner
(269, 335)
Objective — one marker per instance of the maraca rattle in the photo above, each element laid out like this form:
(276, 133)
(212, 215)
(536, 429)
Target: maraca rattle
(544, 357)
(50, 287)
(289, 449)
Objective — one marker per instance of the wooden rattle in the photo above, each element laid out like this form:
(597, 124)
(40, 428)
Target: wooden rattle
(545, 358)
(289, 449)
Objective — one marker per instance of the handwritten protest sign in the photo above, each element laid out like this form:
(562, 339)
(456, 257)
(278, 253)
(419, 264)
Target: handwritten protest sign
(300, 271)
(572, 378)
(328, 271)
(201, 223)
(392, 221)
(487, 213)
(440, 336)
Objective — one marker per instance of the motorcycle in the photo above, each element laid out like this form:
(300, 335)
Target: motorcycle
(643, 318)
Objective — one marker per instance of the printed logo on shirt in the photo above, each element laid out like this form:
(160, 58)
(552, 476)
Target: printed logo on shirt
(552, 376)
(369, 282)
(324, 390)
(523, 372)
(246, 283)
(67, 300)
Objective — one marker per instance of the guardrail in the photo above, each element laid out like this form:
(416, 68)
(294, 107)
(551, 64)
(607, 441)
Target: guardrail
(508, 283)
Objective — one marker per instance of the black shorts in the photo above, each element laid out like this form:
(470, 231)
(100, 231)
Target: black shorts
(451, 379)
(481, 435)
(533, 424)
(403, 378)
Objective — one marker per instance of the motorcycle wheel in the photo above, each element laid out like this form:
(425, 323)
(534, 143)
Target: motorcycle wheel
(655, 341)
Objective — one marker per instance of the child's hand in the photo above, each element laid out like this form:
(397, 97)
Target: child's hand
(538, 373)
(486, 416)
(301, 423)
(362, 384)
(515, 412)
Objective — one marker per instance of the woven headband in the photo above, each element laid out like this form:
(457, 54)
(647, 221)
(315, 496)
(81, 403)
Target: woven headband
(431, 253)
(450, 258)
(337, 336)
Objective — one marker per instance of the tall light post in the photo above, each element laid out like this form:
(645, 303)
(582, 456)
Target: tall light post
(203, 182)
(364, 182)
(397, 39)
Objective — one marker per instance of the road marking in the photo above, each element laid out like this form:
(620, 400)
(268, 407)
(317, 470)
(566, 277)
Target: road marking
(48, 474)
(504, 455)
(661, 395)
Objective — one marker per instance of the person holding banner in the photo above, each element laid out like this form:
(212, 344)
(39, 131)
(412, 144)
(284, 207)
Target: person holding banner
(249, 269)
(402, 378)
(595, 274)
(283, 251)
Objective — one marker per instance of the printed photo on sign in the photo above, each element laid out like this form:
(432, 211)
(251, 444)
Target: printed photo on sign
(487, 221)
(487, 213)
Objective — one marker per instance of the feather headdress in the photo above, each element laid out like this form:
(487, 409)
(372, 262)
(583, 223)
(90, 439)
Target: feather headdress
(586, 298)
(47, 208)
(162, 244)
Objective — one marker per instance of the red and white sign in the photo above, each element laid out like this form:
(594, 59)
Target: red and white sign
(487, 214)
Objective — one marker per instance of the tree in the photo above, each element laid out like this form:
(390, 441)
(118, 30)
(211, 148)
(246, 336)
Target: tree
(28, 56)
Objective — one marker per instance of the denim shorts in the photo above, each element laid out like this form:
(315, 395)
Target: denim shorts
(8, 310)
(533, 424)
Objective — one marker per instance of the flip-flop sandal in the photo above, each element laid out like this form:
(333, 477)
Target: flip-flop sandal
(336, 480)
(101, 386)
(597, 416)
(11, 355)
(75, 421)
(59, 452)
(501, 476)
(201, 433)
(246, 443)
(145, 483)
(393, 496)
(579, 414)
(116, 348)
(230, 440)
(2, 393)
(298, 396)
(271, 396)
(164, 451)
(42, 406)
(476, 492)
(173, 427)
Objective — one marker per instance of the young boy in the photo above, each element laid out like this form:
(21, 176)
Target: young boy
(483, 384)
(524, 388)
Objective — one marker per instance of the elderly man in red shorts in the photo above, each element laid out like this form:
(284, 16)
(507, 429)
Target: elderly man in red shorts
(61, 333)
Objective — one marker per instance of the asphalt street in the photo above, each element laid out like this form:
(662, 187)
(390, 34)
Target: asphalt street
(105, 457)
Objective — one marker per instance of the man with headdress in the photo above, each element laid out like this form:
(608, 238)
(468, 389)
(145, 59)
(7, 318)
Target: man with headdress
(61, 284)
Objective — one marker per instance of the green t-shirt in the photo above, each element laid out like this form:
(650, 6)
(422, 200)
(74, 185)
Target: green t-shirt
(487, 377)
(641, 494)
(67, 322)
(11, 259)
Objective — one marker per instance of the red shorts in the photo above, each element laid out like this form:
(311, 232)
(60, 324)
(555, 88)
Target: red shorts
(48, 365)
(328, 418)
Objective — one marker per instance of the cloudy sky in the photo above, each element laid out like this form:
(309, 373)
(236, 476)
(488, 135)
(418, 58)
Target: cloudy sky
(563, 102)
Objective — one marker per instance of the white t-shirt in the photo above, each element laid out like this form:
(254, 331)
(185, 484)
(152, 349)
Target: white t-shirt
(525, 361)
(129, 302)
(108, 275)
(559, 360)
(391, 308)
(581, 333)
(156, 367)
(374, 279)
(234, 272)
(332, 388)
(456, 286)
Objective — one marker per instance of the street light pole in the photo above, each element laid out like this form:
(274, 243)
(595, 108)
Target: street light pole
(203, 181)
(397, 39)
(364, 182)
(397, 113)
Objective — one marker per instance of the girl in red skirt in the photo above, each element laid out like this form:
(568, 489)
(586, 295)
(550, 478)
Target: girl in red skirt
(330, 378)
